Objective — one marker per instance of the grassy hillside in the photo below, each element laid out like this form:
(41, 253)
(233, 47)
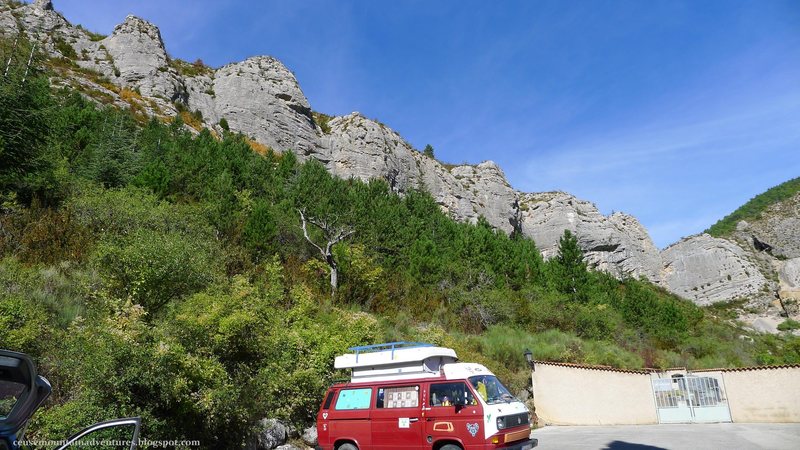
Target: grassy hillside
(755, 206)
(156, 273)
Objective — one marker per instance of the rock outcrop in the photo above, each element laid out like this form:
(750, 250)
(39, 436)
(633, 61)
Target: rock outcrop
(707, 270)
(789, 289)
(357, 147)
(269, 434)
(140, 60)
(790, 273)
(618, 243)
(778, 226)
(261, 98)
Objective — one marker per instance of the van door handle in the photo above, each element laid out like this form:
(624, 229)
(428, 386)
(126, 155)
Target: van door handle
(413, 420)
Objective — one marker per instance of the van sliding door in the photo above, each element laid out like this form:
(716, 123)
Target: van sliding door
(396, 417)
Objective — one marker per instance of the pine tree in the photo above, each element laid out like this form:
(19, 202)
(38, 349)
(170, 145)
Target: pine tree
(428, 151)
(571, 270)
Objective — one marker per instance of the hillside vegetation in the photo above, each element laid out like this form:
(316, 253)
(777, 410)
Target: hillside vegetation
(154, 272)
(754, 207)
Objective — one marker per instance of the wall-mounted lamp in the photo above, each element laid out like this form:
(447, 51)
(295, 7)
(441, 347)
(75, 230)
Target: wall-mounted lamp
(529, 357)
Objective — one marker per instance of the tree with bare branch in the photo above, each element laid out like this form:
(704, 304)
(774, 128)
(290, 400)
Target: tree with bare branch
(332, 233)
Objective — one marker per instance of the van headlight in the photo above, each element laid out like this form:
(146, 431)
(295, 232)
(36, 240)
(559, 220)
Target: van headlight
(501, 423)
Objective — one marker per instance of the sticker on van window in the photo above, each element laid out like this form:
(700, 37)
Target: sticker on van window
(404, 422)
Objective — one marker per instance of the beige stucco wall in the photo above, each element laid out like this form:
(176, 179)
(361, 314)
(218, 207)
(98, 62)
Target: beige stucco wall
(763, 395)
(581, 396)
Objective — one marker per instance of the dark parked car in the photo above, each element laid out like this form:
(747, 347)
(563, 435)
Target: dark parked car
(22, 392)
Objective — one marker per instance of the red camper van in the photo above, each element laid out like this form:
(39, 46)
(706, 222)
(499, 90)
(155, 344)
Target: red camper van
(406, 395)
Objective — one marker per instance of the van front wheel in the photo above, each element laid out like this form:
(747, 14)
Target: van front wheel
(347, 447)
(451, 447)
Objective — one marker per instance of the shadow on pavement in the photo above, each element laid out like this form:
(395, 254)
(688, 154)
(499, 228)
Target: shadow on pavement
(621, 445)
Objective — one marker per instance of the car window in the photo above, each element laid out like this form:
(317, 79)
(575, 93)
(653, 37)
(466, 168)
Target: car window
(9, 394)
(398, 397)
(451, 394)
(491, 389)
(328, 400)
(353, 399)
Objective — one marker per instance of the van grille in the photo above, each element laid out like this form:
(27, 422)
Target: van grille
(514, 420)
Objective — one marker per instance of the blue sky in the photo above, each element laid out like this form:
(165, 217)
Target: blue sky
(675, 112)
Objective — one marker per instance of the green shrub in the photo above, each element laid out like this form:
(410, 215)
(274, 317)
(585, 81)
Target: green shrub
(23, 324)
(153, 268)
(789, 325)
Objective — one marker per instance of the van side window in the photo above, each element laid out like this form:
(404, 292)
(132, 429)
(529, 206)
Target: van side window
(328, 400)
(353, 399)
(398, 397)
(451, 394)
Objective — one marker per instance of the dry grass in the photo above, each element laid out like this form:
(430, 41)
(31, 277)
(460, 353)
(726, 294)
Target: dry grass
(130, 96)
(191, 120)
(258, 147)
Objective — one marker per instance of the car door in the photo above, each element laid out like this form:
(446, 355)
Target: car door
(22, 391)
(453, 412)
(350, 416)
(395, 418)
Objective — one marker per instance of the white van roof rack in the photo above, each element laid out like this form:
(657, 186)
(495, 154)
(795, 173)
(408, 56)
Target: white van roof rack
(395, 361)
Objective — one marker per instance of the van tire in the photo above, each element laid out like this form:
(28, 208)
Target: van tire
(451, 447)
(347, 447)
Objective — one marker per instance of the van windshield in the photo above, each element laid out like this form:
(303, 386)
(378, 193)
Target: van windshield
(491, 389)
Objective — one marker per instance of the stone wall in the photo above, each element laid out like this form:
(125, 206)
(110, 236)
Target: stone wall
(568, 394)
(764, 394)
(573, 394)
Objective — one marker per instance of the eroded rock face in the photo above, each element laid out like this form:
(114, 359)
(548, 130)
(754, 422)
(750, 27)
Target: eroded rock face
(707, 270)
(617, 243)
(790, 273)
(361, 148)
(491, 195)
(260, 97)
(779, 226)
(789, 286)
(140, 59)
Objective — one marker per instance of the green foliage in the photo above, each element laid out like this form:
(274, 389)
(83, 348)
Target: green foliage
(789, 325)
(65, 49)
(223, 123)
(25, 167)
(23, 324)
(428, 151)
(569, 269)
(94, 37)
(755, 206)
(322, 120)
(154, 268)
(188, 69)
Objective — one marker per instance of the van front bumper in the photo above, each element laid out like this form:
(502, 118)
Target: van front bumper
(523, 445)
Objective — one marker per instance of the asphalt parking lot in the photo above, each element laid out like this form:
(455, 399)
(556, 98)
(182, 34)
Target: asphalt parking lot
(726, 436)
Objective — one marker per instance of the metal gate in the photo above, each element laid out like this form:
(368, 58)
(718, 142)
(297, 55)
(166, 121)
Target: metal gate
(691, 398)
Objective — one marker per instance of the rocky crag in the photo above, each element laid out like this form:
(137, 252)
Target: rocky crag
(262, 99)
